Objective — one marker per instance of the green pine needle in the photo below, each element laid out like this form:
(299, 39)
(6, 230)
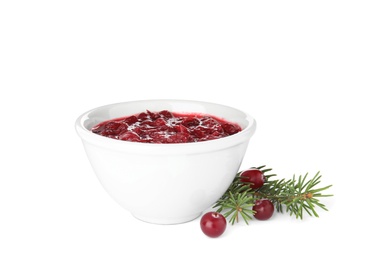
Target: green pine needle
(295, 196)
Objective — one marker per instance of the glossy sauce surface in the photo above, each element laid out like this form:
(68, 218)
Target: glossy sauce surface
(166, 127)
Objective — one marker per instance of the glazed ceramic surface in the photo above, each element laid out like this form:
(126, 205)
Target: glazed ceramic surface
(165, 183)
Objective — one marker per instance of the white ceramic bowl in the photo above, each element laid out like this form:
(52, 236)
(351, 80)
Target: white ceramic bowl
(165, 183)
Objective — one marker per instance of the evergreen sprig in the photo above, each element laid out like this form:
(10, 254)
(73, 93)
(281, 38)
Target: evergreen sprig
(237, 204)
(295, 196)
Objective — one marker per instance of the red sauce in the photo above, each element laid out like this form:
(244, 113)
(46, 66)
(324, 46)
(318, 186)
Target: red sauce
(166, 127)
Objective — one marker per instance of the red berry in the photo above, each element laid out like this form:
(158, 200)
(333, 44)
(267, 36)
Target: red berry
(130, 120)
(152, 115)
(213, 224)
(129, 136)
(166, 114)
(190, 122)
(254, 176)
(159, 122)
(264, 209)
(142, 116)
(230, 128)
(181, 129)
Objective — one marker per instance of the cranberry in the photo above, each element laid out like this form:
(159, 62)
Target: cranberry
(112, 125)
(159, 122)
(131, 120)
(129, 136)
(191, 122)
(98, 129)
(152, 115)
(107, 132)
(253, 176)
(230, 129)
(209, 122)
(181, 129)
(138, 131)
(213, 224)
(180, 138)
(199, 132)
(142, 116)
(146, 123)
(263, 208)
(166, 114)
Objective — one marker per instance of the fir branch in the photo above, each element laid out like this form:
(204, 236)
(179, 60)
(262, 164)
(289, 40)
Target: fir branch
(237, 205)
(294, 196)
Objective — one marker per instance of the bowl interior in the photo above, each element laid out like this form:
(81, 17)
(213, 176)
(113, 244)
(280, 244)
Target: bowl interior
(108, 112)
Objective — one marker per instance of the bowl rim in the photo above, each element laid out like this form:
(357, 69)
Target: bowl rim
(157, 148)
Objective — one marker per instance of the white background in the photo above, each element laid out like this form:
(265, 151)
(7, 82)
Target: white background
(296, 66)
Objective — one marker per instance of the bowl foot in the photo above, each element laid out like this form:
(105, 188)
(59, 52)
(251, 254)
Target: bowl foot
(167, 220)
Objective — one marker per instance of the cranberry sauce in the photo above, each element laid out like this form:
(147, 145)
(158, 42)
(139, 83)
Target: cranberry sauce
(166, 127)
